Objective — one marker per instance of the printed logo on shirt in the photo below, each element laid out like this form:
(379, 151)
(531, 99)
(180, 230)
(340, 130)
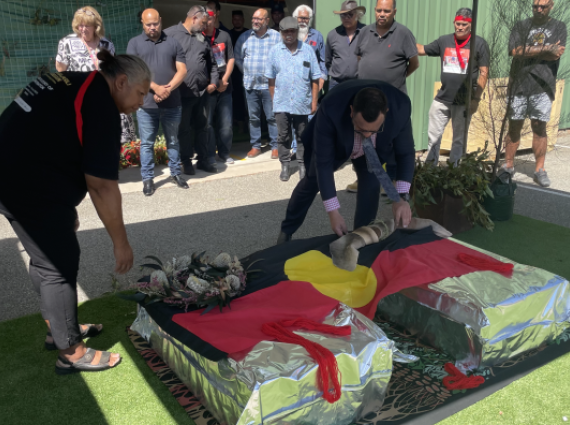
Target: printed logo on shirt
(451, 63)
(219, 51)
(538, 36)
(312, 43)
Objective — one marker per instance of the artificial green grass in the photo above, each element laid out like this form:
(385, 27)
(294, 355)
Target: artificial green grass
(31, 393)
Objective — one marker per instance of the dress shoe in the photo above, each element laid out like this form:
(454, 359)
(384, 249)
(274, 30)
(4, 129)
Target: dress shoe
(274, 154)
(283, 237)
(253, 153)
(302, 171)
(208, 168)
(285, 171)
(148, 187)
(180, 182)
(188, 168)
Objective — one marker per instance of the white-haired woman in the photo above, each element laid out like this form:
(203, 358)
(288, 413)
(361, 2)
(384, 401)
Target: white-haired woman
(77, 52)
(70, 122)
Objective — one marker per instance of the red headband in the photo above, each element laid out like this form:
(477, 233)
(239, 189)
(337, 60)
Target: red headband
(211, 13)
(462, 18)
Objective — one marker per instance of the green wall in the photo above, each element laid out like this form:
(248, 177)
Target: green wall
(427, 19)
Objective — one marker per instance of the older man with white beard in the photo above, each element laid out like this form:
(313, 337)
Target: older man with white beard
(312, 37)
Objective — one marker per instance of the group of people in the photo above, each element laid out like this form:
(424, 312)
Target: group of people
(182, 77)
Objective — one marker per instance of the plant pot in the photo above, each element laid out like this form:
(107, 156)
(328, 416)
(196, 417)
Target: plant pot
(501, 207)
(446, 212)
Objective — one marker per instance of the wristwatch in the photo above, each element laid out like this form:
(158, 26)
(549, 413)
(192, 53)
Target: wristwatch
(405, 196)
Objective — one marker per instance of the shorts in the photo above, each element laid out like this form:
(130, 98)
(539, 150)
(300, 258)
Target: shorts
(535, 107)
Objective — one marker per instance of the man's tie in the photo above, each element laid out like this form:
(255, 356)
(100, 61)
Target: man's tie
(374, 166)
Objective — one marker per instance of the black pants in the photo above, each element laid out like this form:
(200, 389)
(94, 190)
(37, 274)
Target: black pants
(193, 132)
(367, 197)
(48, 237)
(285, 137)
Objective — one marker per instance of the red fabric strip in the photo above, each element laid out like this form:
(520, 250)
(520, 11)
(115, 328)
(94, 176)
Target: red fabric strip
(458, 48)
(420, 265)
(463, 18)
(458, 380)
(239, 329)
(328, 374)
(79, 103)
(489, 263)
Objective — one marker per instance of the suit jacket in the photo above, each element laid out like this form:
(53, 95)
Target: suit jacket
(329, 137)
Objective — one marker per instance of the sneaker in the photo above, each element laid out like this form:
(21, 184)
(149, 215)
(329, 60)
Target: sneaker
(505, 169)
(353, 187)
(541, 178)
(228, 160)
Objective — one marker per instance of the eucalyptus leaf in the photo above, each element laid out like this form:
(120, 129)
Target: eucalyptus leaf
(152, 257)
(151, 266)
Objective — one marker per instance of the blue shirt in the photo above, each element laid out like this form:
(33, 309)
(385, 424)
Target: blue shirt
(316, 41)
(293, 73)
(251, 53)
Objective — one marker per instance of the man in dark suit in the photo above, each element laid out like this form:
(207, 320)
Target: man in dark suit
(358, 120)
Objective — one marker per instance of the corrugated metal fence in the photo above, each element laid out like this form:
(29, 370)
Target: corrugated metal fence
(427, 19)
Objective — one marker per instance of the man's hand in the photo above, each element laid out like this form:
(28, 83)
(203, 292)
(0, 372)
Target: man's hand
(337, 223)
(223, 86)
(157, 99)
(211, 88)
(555, 51)
(474, 106)
(321, 84)
(402, 214)
(314, 107)
(123, 258)
(162, 91)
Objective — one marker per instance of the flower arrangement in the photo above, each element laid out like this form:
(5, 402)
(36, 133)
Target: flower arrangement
(191, 280)
(131, 153)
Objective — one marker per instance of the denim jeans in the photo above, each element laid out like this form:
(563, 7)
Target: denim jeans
(149, 120)
(256, 100)
(193, 130)
(220, 122)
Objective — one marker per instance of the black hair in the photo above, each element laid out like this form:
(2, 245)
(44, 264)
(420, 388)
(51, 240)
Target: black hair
(132, 66)
(217, 3)
(237, 12)
(370, 102)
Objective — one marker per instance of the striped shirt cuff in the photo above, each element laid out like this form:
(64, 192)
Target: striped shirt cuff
(331, 204)
(403, 187)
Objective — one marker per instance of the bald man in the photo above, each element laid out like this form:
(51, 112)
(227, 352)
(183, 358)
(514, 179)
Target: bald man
(165, 58)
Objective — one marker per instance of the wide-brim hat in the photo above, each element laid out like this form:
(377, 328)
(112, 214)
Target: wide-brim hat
(349, 6)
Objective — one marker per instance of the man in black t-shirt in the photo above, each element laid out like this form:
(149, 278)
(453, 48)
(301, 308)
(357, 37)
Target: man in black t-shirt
(239, 104)
(451, 99)
(167, 61)
(536, 45)
(220, 101)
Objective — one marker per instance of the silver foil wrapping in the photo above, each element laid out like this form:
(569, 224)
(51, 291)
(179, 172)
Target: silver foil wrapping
(276, 382)
(484, 318)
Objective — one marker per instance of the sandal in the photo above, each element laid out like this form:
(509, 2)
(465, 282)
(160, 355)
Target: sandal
(66, 367)
(90, 332)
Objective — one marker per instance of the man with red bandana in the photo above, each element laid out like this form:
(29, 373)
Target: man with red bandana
(451, 99)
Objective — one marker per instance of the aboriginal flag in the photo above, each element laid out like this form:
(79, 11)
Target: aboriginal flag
(298, 279)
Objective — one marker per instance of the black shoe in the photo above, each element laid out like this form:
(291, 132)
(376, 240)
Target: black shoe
(302, 171)
(285, 171)
(208, 168)
(187, 168)
(180, 182)
(283, 237)
(148, 187)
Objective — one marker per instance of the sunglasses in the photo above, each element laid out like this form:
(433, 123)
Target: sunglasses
(541, 7)
(349, 15)
(86, 12)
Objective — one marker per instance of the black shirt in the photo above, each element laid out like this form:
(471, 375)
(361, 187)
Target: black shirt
(161, 57)
(234, 34)
(40, 125)
(386, 57)
(340, 59)
(200, 63)
(531, 75)
(453, 82)
(223, 51)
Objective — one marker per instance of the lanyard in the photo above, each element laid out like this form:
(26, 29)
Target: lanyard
(458, 48)
(213, 36)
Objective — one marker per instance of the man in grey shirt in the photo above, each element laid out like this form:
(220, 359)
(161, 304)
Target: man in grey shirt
(340, 60)
(387, 49)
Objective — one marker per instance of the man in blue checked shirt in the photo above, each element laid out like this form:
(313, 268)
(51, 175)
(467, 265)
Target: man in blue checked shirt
(293, 73)
(251, 52)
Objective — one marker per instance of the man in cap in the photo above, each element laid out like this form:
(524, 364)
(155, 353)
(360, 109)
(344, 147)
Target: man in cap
(536, 45)
(277, 13)
(367, 121)
(340, 60)
(294, 93)
(387, 49)
(251, 53)
(450, 102)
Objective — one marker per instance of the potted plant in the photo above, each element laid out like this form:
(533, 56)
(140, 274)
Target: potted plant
(452, 194)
